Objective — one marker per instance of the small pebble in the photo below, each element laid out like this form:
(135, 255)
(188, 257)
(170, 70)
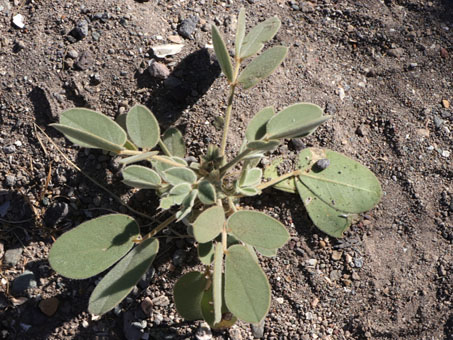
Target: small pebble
(438, 122)
(85, 324)
(10, 180)
(12, 256)
(188, 26)
(158, 70)
(18, 21)
(24, 281)
(322, 164)
(203, 332)
(49, 306)
(336, 255)
(445, 103)
(147, 306)
(9, 149)
(312, 262)
(73, 54)
(396, 52)
(80, 31)
(161, 301)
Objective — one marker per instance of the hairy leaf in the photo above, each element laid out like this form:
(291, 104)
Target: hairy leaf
(263, 145)
(247, 291)
(262, 67)
(138, 158)
(222, 53)
(138, 176)
(142, 126)
(270, 172)
(119, 281)
(258, 35)
(188, 292)
(174, 142)
(187, 205)
(176, 176)
(209, 224)
(251, 177)
(267, 252)
(206, 252)
(257, 126)
(206, 192)
(93, 246)
(257, 229)
(217, 282)
(240, 31)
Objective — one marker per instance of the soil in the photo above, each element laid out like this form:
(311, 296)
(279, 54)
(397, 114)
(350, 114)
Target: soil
(382, 69)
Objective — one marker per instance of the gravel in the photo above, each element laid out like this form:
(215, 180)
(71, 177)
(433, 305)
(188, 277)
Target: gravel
(12, 256)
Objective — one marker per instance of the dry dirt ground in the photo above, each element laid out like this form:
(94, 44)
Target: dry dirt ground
(382, 68)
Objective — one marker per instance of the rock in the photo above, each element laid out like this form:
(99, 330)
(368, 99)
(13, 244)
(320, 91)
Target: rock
(235, 333)
(95, 79)
(443, 52)
(140, 325)
(158, 70)
(49, 306)
(362, 130)
(161, 301)
(445, 103)
(335, 275)
(297, 144)
(179, 257)
(280, 300)
(203, 332)
(10, 180)
(73, 54)
(85, 61)
(322, 164)
(312, 262)
(18, 21)
(80, 31)
(336, 255)
(130, 332)
(358, 262)
(85, 324)
(12, 256)
(396, 52)
(24, 281)
(19, 45)
(56, 213)
(188, 26)
(147, 306)
(258, 330)
(355, 276)
(423, 133)
(438, 122)
(9, 149)
(175, 39)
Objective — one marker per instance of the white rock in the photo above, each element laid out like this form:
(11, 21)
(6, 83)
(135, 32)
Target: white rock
(18, 21)
(161, 51)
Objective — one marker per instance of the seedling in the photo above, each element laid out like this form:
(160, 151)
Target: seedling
(206, 195)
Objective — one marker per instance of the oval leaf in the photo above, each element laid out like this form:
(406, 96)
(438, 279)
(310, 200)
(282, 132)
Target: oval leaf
(251, 177)
(206, 192)
(217, 282)
(209, 224)
(138, 176)
(262, 67)
(247, 291)
(257, 126)
(206, 252)
(222, 53)
(262, 145)
(258, 35)
(93, 246)
(176, 176)
(267, 252)
(174, 141)
(240, 31)
(187, 205)
(345, 184)
(142, 126)
(271, 172)
(327, 219)
(91, 129)
(257, 229)
(295, 120)
(188, 292)
(119, 281)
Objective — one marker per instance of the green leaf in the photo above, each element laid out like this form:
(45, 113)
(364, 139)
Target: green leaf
(206, 192)
(248, 191)
(176, 176)
(257, 126)
(91, 129)
(119, 281)
(222, 53)
(262, 67)
(271, 172)
(240, 31)
(138, 158)
(267, 252)
(345, 184)
(138, 176)
(329, 220)
(206, 252)
(142, 126)
(187, 205)
(217, 282)
(297, 120)
(209, 224)
(251, 177)
(174, 142)
(130, 146)
(93, 246)
(160, 167)
(188, 292)
(257, 229)
(263, 145)
(247, 291)
(258, 35)
(179, 192)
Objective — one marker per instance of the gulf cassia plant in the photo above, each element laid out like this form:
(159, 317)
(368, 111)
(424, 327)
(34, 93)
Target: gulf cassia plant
(206, 194)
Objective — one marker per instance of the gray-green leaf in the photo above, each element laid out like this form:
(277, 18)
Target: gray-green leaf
(206, 192)
(188, 292)
(138, 158)
(222, 53)
(206, 252)
(262, 67)
(174, 142)
(209, 224)
(119, 281)
(176, 176)
(258, 35)
(217, 282)
(257, 229)
(251, 177)
(240, 31)
(247, 291)
(142, 126)
(257, 126)
(138, 176)
(93, 246)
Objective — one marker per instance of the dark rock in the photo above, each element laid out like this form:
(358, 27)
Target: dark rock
(18, 46)
(297, 144)
(179, 257)
(12, 256)
(438, 122)
(322, 164)
(188, 26)
(56, 213)
(130, 332)
(158, 70)
(95, 79)
(85, 61)
(331, 109)
(24, 281)
(203, 332)
(9, 149)
(80, 31)
(396, 52)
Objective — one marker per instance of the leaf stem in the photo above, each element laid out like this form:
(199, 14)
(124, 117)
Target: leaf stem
(168, 161)
(226, 124)
(235, 160)
(160, 227)
(263, 186)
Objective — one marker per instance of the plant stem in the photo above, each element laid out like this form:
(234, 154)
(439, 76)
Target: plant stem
(129, 152)
(278, 179)
(235, 160)
(160, 227)
(226, 123)
(164, 148)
